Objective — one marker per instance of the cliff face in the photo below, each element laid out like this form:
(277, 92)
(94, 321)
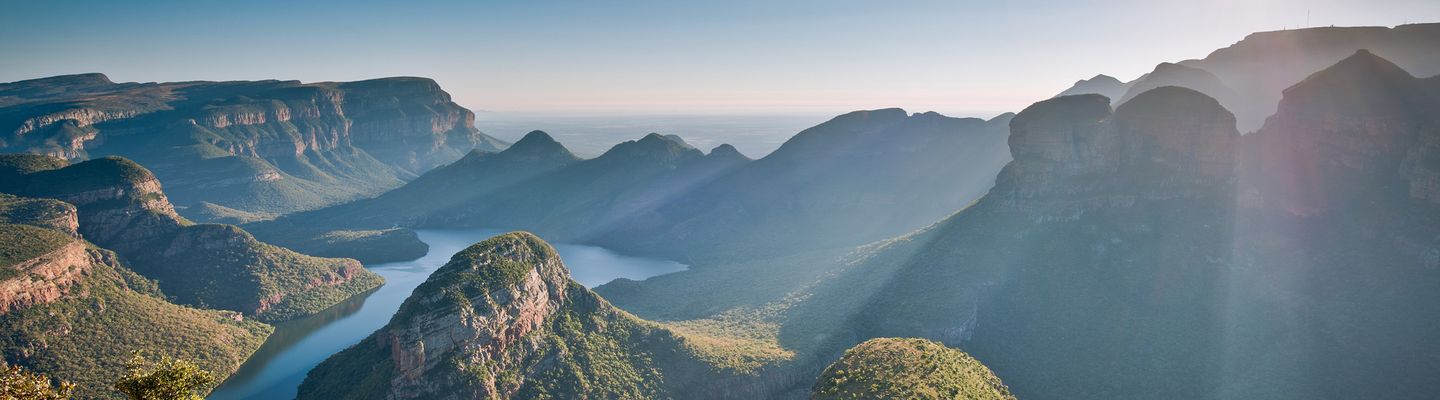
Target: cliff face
(1347, 132)
(502, 319)
(1106, 226)
(46, 278)
(120, 205)
(74, 311)
(1156, 241)
(1072, 155)
(258, 147)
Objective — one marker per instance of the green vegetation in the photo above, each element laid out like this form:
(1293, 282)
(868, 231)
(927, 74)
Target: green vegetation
(85, 335)
(19, 243)
(368, 246)
(215, 213)
(205, 265)
(14, 165)
(259, 148)
(164, 379)
(45, 213)
(275, 284)
(908, 369)
(585, 348)
(16, 383)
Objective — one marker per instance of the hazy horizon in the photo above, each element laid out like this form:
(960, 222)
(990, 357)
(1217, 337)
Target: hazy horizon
(657, 58)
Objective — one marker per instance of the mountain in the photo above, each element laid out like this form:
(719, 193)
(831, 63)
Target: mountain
(1251, 75)
(535, 184)
(1051, 270)
(1262, 65)
(1167, 74)
(862, 176)
(503, 319)
(1344, 175)
(74, 311)
(360, 229)
(1189, 262)
(122, 207)
(1104, 85)
(890, 368)
(859, 177)
(238, 151)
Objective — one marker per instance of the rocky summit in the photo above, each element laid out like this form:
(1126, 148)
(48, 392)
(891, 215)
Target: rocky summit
(503, 319)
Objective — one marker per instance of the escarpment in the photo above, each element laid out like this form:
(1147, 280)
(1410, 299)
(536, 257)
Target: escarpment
(263, 147)
(121, 206)
(1073, 155)
(75, 312)
(1058, 261)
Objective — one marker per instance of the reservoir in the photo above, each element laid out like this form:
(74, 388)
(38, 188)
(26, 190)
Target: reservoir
(278, 367)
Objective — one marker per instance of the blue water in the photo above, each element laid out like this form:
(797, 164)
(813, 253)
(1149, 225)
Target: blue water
(278, 367)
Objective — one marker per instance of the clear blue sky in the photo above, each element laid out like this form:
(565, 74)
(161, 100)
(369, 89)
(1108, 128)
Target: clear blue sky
(735, 56)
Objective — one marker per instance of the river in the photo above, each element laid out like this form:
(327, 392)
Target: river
(278, 367)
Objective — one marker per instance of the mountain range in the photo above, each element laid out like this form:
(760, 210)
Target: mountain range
(246, 150)
(1250, 76)
(1260, 223)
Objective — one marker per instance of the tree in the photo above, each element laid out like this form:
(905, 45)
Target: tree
(19, 384)
(166, 379)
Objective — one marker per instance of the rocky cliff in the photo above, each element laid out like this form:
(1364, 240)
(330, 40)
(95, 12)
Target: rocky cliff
(75, 312)
(262, 147)
(502, 319)
(120, 206)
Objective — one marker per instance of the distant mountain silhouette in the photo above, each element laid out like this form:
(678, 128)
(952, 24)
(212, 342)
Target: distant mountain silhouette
(1253, 73)
(1102, 84)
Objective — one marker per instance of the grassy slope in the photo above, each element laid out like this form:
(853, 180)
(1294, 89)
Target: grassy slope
(889, 368)
(586, 348)
(86, 336)
(206, 265)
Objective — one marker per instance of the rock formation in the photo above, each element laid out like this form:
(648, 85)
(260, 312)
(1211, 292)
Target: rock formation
(263, 147)
(502, 319)
(75, 312)
(121, 207)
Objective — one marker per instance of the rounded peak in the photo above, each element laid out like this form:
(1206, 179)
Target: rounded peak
(908, 368)
(504, 260)
(1079, 108)
(118, 167)
(535, 139)
(1103, 78)
(536, 136)
(727, 151)
(1363, 64)
(537, 143)
(652, 146)
(1002, 118)
(1173, 100)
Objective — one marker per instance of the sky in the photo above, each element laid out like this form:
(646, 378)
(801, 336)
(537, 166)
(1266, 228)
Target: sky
(961, 58)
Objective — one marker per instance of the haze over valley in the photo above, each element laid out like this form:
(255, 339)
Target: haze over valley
(823, 200)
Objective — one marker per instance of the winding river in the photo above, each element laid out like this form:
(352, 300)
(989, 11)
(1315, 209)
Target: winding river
(278, 367)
